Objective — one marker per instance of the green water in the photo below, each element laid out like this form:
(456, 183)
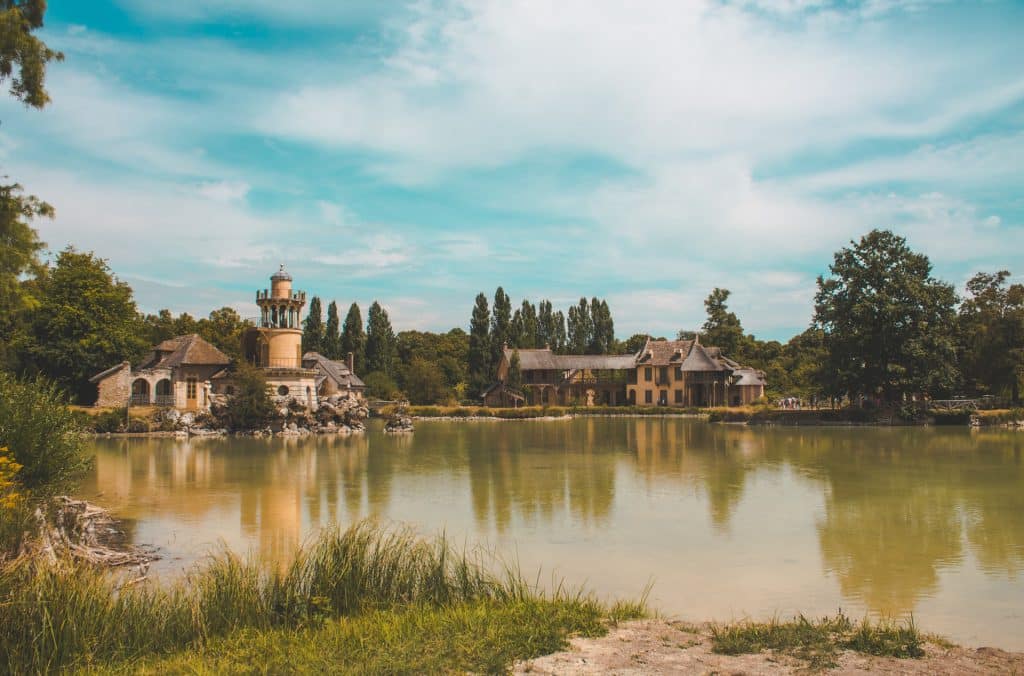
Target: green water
(726, 521)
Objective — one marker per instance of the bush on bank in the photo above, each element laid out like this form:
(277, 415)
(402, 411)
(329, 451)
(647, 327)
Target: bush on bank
(62, 616)
(42, 435)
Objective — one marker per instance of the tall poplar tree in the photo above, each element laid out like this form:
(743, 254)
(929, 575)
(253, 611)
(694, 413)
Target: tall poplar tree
(529, 326)
(380, 341)
(313, 328)
(581, 328)
(479, 357)
(353, 338)
(501, 324)
(332, 333)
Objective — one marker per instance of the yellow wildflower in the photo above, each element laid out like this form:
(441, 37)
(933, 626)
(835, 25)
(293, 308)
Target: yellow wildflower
(9, 497)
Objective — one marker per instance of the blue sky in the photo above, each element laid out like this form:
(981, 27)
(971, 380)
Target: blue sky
(419, 153)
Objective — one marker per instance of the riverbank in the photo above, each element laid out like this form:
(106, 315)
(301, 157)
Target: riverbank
(366, 599)
(660, 646)
(373, 600)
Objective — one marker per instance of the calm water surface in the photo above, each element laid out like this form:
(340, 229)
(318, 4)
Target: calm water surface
(726, 521)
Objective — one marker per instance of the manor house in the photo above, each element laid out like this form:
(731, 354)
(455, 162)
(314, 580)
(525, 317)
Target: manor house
(663, 373)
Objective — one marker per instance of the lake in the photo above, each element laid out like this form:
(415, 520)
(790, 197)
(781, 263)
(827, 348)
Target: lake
(726, 521)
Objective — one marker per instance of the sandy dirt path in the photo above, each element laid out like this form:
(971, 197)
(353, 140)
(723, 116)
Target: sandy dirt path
(668, 647)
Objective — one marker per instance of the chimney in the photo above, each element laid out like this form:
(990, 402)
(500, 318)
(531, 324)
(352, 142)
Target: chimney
(351, 363)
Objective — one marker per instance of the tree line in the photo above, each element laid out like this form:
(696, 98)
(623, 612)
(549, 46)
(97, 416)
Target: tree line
(885, 329)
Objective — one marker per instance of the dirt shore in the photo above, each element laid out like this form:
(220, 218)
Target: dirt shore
(669, 647)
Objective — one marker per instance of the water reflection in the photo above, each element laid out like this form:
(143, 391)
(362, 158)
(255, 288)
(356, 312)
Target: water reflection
(890, 518)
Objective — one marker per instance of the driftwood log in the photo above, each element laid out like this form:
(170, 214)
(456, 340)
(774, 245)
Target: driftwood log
(88, 532)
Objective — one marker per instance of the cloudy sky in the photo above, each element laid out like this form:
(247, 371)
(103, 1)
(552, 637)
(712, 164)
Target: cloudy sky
(419, 153)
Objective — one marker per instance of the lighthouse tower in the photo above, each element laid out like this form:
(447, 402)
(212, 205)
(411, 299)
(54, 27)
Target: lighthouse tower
(280, 323)
(274, 342)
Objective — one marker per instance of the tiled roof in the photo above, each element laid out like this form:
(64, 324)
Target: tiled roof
(699, 360)
(109, 372)
(185, 350)
(749, 376)
(546, 360)
(664, 352)
(335, 370)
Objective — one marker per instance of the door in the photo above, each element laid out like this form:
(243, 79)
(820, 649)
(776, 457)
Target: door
(191, 392)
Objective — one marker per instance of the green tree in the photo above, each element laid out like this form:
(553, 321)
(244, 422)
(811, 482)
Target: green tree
(447, 352)
(22, 51)
(85, 322)
(23, 61)
(223, 328)
(885, 321)
(515, 373)
(602, 328)
(380, 385)
(353, 338)
(380, 341)
(633, 344)
(424, 383)
(479, 356)
(991, 327)
(581, 328)
(722, 328)
(313, 328)
(332, 333)
(250, 407)
(39, 429)
(501, 325)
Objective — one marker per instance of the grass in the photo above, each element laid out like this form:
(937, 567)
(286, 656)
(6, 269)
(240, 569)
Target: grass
(476, 637)
(365, 586)
(819, 641)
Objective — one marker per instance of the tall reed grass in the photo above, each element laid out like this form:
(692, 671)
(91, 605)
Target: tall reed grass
(71, 615)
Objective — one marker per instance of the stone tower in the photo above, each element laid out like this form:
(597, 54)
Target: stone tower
(279, 342)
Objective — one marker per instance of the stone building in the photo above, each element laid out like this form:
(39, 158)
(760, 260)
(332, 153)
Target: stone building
(663, 373)
(274, 342)
(186, 371)
(176, 373)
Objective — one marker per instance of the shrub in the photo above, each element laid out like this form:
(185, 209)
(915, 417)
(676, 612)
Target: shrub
(107, 422)
(42, 433)
(250, 407)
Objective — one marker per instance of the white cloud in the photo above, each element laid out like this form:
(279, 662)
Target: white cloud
(486, 85)
(225, 191)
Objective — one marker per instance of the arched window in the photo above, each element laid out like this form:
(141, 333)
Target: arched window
(283, 390)
(140, 392)
(164, 393)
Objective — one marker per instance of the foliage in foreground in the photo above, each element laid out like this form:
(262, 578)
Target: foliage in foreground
(42, 435)
(474, 637)
(68, 616)
(819, 641)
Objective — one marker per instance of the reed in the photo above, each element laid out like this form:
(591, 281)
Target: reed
(67, 615)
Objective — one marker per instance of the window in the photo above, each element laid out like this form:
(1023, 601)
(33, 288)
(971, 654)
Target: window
(229, 390)
(648, 395)
(663, 374)
(679, 373)
(190, 388)
(648, 372)
(283, 390)
(679, 396)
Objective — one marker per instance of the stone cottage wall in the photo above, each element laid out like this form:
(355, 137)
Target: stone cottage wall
(115, 389)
